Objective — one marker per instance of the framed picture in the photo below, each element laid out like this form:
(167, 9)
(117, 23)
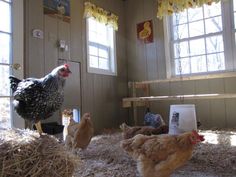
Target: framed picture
(145, 31)
(59, 8)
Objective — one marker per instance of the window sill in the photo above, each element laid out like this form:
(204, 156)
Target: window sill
(101, 72)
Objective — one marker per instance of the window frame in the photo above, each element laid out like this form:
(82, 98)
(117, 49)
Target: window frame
(228, 34)
(111, 55)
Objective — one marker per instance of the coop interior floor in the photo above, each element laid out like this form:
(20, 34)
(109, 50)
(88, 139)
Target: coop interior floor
(216, 157)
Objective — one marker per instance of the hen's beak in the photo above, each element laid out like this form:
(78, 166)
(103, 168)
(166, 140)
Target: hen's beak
(69, 71)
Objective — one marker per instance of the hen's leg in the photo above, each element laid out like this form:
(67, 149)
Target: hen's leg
(39, 127)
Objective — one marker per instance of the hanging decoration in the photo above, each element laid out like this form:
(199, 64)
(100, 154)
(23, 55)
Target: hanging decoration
(145, 31)
(168, 7)
(101, 15)
(57, 8)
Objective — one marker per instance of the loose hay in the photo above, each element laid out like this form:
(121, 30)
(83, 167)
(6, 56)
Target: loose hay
(25, 153)
(105, 158)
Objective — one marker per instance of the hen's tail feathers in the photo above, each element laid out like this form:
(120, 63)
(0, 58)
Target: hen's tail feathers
(14, 82)
(123, 126)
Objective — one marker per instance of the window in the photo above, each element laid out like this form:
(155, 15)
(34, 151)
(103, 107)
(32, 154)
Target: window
(202, 40)
(5, 61)
(100, 48)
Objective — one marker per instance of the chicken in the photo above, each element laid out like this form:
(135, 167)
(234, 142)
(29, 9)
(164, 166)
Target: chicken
(160, 155)
(80, 134)
(154, 120)
(129, 132)
(37, 99)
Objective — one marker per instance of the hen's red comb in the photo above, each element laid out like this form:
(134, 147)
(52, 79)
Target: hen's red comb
(200, 137)
(66, 65)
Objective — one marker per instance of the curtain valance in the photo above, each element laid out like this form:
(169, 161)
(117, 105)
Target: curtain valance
(101, 15)
(168, 7)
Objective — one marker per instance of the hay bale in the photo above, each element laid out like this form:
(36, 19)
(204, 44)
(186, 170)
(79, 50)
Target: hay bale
(25, 153)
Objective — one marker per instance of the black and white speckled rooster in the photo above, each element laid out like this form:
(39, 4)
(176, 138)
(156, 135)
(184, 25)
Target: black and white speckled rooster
(37, 99)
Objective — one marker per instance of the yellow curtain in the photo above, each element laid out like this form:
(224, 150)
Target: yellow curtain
(101, 15)
(168, 7)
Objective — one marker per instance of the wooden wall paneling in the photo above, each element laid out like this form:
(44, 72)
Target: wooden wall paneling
(98, 114)
(50, 43)
(203, 113)
(218, 111)
(72, 98)
(230, 113)
(159, 40)
(76, 30)
(34, 46)
(182, 87)
(133, 17)
(230, 85)
(217, 85)
(203, 107)
(150, 52)
(162, 108)
(64, 34)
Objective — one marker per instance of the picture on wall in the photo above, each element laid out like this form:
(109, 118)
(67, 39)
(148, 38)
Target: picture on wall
(57, 8)
(145, 31)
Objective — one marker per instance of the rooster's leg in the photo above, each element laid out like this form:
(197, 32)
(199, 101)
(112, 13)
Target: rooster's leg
(38, 127)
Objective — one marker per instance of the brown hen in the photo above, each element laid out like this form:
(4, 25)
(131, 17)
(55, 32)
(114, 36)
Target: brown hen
(80, 134)
(160, 155)
(129, 132)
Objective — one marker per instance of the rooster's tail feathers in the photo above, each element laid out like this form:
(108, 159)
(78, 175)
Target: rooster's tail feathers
(14, 82)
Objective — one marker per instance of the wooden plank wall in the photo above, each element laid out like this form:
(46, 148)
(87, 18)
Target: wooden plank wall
(101, 95)
(147, 62)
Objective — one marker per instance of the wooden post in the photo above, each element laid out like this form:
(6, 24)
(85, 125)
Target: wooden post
(135, 114)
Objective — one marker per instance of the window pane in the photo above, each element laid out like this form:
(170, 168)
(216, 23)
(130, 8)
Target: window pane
(216, 62)
(213, 25)
(102, 39)
(182, 66)
(234, 5)
(197, 47)
(5, 83)
(181, 31)
(93, 36)
(103, 63)
(214, 44)
(212, 10)
(180, 18)
(197, 28)
(93, 50)
(103, 53)
(4, 48)
(234, 20)
(5, 121)
(198, 64)
(5, 22)
(181, 49)
(195, 14)
(93, 62)
(92, 24)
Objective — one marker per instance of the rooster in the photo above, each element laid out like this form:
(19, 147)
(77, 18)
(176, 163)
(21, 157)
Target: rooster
(160, 155)
(37, 99)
